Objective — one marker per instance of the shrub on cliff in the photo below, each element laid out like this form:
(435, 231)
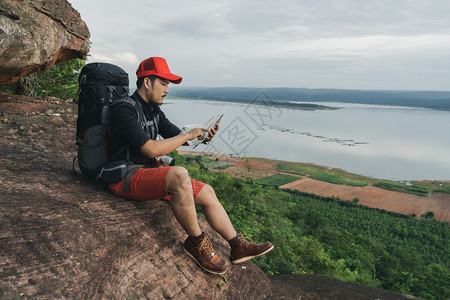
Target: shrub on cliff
(60, 81)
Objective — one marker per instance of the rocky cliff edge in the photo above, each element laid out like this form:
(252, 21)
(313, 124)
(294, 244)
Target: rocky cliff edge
(63, 237)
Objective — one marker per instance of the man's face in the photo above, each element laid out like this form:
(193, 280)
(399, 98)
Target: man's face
(159, 90)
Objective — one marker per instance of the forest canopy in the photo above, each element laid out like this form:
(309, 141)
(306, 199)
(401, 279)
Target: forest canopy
(342, 239)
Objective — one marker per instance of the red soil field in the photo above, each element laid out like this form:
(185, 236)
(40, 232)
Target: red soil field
(369, 195)
(441, 206)
(408, 204)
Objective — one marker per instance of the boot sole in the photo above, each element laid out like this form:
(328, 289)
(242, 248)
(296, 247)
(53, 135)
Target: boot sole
(241, 260)
(207, 270)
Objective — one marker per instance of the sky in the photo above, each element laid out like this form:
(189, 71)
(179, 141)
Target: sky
(343, 44)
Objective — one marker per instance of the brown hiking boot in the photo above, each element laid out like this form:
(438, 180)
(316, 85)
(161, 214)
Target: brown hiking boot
(201, 250)
(241, 250)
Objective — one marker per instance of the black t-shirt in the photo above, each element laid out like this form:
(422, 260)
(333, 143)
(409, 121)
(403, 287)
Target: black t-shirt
(126, 131)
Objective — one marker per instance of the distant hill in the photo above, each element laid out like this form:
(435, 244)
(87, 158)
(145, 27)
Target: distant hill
(426, 99)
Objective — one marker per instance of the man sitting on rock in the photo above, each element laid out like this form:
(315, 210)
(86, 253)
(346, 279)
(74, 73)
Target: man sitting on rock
(172, 183)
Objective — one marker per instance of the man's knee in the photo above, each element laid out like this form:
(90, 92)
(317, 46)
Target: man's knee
(206, 196)
(177, 177)
(207, 189)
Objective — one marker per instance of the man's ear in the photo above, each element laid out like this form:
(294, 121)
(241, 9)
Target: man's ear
(148, 83)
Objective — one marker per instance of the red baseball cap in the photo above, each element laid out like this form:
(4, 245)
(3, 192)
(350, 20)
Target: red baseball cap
(156, 66)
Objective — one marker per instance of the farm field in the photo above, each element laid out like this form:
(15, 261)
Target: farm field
(441, 206)
(369, 195)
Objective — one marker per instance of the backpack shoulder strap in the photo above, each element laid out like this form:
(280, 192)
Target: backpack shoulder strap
(140, 111)
(156, 122)
(137, 106)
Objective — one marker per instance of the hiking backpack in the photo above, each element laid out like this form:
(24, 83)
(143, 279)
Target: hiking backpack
(100, 86)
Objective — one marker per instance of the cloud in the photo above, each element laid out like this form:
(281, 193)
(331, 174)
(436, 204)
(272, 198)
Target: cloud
(381, 44)
(115, 58)
(375, 45)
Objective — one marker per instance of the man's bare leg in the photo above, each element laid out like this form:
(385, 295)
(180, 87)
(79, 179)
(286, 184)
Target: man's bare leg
(197, 245)
(183, 206)
(241, 250)
(215, 213)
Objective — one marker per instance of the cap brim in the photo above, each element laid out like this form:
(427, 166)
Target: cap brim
(171, 77)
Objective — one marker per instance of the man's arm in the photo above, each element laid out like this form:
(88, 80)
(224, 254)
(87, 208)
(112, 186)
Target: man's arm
(154, 148)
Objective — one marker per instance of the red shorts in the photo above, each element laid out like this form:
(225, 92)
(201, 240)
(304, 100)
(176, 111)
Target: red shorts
(150, 184)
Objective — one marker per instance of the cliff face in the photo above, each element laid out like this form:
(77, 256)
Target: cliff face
(62, 237)
(35, 34)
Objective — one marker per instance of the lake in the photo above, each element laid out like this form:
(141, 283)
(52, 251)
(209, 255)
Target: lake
(397, 143)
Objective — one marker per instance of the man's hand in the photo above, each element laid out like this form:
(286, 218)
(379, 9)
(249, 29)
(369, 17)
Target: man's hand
(211, 133)
(196, 133)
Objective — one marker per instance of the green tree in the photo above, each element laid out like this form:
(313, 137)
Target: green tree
(60, 81)
(429, 215)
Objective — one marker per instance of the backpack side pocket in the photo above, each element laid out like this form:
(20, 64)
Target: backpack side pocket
(114, 171)
(92, 150)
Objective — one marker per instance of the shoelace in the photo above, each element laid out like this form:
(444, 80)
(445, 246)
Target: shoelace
(206, 245)
(244, 238)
